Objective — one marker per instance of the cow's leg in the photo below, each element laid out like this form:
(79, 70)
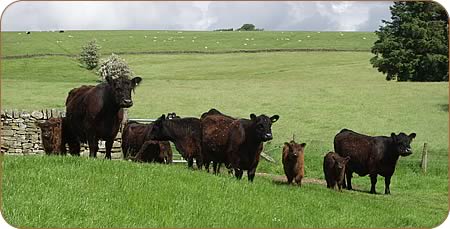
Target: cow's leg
(169, 157)
(387, 182)
(327, 179)
(344, 182)
(74, 148)
(206, 164)
(373, 181)
(251, 174)
(93, 146)
(340, 184)
(124, 150)
(108, 147)
(215, 165)
(199, 162)
(289, 179)
(190, 161)
(62, 147)
(238, 173)
(349, 179)
(298, 180)
(230, 169)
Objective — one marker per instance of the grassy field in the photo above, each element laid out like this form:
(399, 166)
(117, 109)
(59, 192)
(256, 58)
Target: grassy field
(19, 43)
(315, 93)
(80, 192)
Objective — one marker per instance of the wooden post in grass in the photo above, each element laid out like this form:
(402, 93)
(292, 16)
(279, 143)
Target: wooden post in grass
(424, 162)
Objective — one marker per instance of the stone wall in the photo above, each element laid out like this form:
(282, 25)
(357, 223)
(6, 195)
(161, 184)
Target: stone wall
(20, 135)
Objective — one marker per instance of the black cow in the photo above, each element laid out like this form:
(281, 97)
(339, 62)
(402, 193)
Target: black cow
(185, 133)
(372, 155)
(95, 112)
(245, 144)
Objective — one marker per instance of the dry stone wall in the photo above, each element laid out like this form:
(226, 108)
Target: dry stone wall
(20, 135)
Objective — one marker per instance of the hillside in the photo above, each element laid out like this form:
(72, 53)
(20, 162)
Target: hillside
(69, 42)
(315, 93)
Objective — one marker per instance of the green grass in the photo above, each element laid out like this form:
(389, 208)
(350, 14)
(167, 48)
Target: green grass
(315, 93)
(80, 192)
(135, 41)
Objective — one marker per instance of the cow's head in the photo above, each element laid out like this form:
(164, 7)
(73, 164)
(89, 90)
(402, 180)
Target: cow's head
(263, 125)
(339, 165)
(46, 129)
(158, 131)
(402, 143)
(172, 115)
(341, 162)
(121, 88)
(50, 134)
(293, 149)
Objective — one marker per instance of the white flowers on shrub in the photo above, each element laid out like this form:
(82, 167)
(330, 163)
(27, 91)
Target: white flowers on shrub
(115, 67)
(90, 54)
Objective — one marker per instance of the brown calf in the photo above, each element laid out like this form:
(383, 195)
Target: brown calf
(334, 169)
(294, 161)
(51, 135)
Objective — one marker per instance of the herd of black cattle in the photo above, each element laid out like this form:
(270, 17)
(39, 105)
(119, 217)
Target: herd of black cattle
(95, 113)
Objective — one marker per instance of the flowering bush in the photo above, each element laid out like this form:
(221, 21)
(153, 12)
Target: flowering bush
(90, 54)
(114, 67)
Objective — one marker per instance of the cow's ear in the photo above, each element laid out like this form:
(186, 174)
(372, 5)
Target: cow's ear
(274, 118)
(303, 145)
(136, 81)
(394, 137)
(412, 136)
(286, 144)
(252, 116)
(163, 116)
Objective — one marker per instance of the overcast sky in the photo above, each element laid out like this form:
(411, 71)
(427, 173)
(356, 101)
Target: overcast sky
(323, 16)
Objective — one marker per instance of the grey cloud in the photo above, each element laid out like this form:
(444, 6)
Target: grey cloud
(193, 15)
(99, 15)
(376, 14)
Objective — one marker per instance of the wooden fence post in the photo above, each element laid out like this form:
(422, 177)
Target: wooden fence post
(424, 162)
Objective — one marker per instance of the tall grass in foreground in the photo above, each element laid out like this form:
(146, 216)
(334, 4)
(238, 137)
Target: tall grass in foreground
(53, 191)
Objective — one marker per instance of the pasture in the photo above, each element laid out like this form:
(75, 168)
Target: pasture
(316, 94)
(69, 42)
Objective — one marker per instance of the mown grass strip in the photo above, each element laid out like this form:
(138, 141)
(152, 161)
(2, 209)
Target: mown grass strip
(177, 52)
